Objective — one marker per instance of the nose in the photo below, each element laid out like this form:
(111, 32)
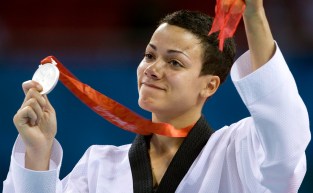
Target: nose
(152, 72)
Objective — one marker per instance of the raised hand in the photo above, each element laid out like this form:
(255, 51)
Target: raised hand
(36, 124)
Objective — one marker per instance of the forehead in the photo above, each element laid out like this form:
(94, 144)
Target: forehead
(176, 38)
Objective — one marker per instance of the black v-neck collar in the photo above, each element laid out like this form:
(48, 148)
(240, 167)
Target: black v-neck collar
(188, 151)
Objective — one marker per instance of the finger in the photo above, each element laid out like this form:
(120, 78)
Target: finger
(33, 93)
(48, 104)
(25, 116)
(27, 85)
(33, 103)
(31, 115)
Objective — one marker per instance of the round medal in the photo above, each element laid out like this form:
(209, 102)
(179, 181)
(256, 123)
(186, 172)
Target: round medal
(47, 76)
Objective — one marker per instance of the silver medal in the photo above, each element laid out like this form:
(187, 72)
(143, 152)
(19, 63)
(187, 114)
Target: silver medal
(47, 76)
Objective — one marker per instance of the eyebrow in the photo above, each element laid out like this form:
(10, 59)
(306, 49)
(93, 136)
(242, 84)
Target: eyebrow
(169, 51)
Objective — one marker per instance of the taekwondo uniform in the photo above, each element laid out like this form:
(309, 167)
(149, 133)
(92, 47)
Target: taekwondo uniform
(263, 153)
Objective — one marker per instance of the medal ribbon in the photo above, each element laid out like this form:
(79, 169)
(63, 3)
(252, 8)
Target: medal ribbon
(111, 110)
(227, 17)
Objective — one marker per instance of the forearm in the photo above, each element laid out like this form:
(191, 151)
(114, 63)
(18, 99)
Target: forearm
(259, 36)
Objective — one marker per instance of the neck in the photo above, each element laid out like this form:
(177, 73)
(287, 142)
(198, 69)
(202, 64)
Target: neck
(161, 145)
(179, 121)
(169, 145)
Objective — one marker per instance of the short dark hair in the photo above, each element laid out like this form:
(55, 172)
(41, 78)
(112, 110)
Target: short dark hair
(215, 62)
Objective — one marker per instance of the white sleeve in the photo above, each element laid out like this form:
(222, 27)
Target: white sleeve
(21, 179)
(280, 121)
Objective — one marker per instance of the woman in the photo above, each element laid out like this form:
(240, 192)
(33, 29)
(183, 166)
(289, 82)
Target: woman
(181, 69)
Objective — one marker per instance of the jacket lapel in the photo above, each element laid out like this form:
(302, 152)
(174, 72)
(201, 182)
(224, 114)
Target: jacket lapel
(179, 166)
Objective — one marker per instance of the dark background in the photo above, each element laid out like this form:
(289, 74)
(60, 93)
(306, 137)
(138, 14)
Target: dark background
(102, 43)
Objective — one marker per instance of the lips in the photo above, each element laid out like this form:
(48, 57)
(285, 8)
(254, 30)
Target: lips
(152, 85)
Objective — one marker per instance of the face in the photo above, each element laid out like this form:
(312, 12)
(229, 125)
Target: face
(168, 76)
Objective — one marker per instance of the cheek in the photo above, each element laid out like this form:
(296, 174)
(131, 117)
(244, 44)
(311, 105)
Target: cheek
(140, 73)
(182, 82)
(187, 85)
(140, 70)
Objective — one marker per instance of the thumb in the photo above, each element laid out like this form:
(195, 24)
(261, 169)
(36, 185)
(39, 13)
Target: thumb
(31, 84)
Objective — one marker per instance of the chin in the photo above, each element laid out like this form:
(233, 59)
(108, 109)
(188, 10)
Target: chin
(148, 105)
(144, 104)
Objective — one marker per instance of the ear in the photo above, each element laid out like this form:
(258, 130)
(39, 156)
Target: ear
(211, 84)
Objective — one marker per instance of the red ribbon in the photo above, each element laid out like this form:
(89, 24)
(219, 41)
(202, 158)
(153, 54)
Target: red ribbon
(227, 17)
(111, 110)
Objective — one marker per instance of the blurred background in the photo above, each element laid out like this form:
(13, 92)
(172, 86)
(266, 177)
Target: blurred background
(102, 43)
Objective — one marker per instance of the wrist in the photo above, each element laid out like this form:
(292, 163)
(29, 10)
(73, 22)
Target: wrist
(37, 159)
(252, 13)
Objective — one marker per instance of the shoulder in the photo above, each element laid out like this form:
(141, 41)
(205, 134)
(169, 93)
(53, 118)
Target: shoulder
(235, 131)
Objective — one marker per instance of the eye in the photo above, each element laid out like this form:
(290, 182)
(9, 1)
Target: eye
(148, 56)
(175, 63)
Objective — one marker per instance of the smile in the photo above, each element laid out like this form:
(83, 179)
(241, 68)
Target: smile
(153, 86)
